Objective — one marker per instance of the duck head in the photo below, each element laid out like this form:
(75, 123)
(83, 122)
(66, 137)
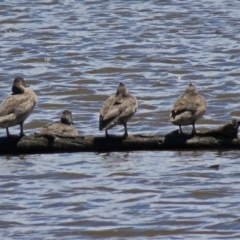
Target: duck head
(122, 91)
(66, 118)
(18, 85)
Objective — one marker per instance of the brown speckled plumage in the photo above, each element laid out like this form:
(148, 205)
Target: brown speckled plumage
(118, 109)
(188, 108)
(15, 109)
(62, 128)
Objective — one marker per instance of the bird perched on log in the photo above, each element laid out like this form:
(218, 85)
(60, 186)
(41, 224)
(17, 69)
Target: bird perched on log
(15, 109)
(118, 110)
(62, 128)
(188, 108)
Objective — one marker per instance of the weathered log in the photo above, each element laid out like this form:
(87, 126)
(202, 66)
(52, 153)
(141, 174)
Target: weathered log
(221, 138)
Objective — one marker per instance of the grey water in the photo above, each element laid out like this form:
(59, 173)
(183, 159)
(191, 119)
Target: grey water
(74, 54)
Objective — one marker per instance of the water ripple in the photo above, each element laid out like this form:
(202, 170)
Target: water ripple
(74, 54)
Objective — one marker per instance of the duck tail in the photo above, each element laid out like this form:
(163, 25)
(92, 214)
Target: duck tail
(105, 124)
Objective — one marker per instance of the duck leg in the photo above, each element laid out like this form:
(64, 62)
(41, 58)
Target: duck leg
(193, 130)
(125, 130)
(8, 134)
(106, 133)
(180, 129)
(21, 132)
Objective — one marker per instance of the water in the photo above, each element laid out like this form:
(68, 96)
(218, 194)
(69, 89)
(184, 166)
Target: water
(74, 54)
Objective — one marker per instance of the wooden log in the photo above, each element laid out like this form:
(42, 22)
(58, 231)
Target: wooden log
(224, 137)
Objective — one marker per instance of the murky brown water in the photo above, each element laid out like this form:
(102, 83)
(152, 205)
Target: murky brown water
(74, 54)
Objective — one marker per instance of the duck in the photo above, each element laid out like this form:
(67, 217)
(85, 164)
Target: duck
(16, 108)
(118, 110)
(62, 128)
(188, 108)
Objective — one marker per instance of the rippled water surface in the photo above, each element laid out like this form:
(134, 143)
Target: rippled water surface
(74, 54)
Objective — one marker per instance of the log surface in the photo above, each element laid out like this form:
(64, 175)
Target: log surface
(221, 138)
